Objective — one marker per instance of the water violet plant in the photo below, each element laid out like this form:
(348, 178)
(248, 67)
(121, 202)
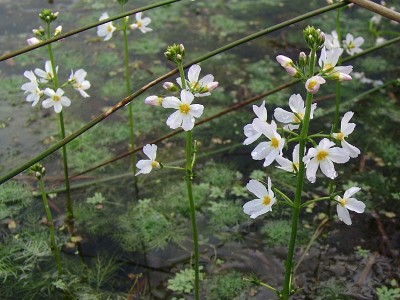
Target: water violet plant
(46, 84)
(305, 164)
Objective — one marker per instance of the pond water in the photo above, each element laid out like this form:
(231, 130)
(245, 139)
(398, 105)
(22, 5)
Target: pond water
(130, 248)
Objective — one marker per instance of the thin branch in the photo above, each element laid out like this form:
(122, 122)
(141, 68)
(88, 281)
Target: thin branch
(379, 9)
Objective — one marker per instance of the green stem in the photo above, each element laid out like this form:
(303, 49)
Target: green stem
(49, 217)
(287, 286)
(128, 92)
(189, 178)
(70, 212)
(314, 200)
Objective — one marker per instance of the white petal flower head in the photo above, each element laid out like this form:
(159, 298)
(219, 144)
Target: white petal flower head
(348, 203)
(186, 111)
(202, 87)
(79, 83)
(249, 131)
(268, 150)
(352, 45)
(313, 83)
(56, 100)
(323, 156)
(32, 88)
(287, 165)
(147, 165)
(327, 62)
(296, 104)
(47, 74)
(105, 30)
(141, 24)
(332, 40)
(346, 129)
(154, 100)
(263, 203)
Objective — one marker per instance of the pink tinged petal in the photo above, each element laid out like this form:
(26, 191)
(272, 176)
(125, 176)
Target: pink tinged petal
(150, 150)
(338, 155)
(33, 41)
(196, 110)
(171, 102)
(283, 116)
(351, 191)
(291, 70)
(327, 168)
(257, 188)
(343, 77)
(187, 122)
(311, 170)
(186, 97)
(212, 86)
(344, 69)
(355, 205)
(353, 151)
(175, 120)
(343, 214)
(284, 61)
(193, 73)
(209, 78)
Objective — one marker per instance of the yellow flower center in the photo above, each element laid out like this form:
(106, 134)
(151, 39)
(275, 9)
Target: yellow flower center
(340, 136)
(342, 202)
(184, 108)
(351, 45)
(154, 164)
(109, 28)
(56, 98)
(295, 166)
(311, 84)
(266, 200)
(274, 142)
(296, 118)
(139, 24)
(327, 67)
(321, 155)
(159, 100)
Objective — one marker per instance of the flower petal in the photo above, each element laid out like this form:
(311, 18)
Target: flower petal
(257, 188)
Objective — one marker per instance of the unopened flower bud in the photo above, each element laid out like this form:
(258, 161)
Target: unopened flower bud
(154, 100)
(315, 38)
(38, 170)
(48, 16)
(169, 86)
(302, 59)
(212, 86)
(33, 41)
(175, 53)
(58, 30)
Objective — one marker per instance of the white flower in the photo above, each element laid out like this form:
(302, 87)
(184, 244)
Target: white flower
(347, 203)
(249, 131)
(33, 41)
(32, 88)
(146, 165)
(324, 156)
(332, 40)
(141, 24)
(351, 45)
(186, 112)
(58, 30)
(346, 129)
(313, 83)
(288, 64)
(105, 30)
(287, 165)
(327, 62)
(57, 100)
(202, 87)
(379, 41)
(268, 150)
(47, 74)
(154, 100)
(263, 204)
(79, 83)
(296, 104)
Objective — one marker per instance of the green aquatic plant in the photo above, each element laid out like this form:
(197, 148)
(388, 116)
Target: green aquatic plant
(388, 293)
(225, 286)
(183, 281)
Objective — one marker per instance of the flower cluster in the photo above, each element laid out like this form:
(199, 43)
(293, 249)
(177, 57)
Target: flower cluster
(327, 62)
(46, 16)
(187, 90)
(41, 84)
(277, 133)
(350, 44)
(106, 30)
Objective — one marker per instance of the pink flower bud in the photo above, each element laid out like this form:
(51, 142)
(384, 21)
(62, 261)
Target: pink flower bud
(154, 100)
(284, 61)
(212, 86)
(33, 41)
